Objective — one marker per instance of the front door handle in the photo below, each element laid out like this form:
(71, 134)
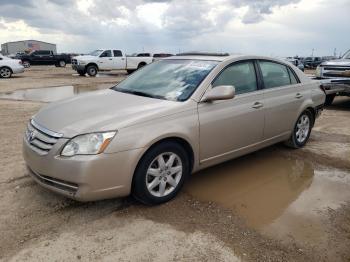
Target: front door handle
(257, 105)
(110, 59)
(298, 95)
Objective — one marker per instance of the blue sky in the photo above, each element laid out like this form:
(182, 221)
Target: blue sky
(266, 27)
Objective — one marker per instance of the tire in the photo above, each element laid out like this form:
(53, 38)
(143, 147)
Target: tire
(26, 64)
(302, 130)
(151, 182)
(62, 63)
(91, 70)
(141, 65)
(329, 99)
(5, 72)
(81, 72)
(130, 71)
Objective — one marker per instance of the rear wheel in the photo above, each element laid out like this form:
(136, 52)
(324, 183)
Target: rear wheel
(91, 70)
(161, 173)
(62, 63)
(5, 72)
(302, 130)
(141, 65)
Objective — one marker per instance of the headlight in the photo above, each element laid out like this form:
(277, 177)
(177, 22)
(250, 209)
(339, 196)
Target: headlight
(88, 144)
(318, 71)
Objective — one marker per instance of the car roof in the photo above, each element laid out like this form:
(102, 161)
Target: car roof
(222, 58)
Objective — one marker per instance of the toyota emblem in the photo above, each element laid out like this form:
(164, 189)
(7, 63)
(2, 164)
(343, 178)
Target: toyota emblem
(31, 135)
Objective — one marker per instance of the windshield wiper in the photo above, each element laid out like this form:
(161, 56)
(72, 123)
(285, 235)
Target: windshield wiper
(138, 93)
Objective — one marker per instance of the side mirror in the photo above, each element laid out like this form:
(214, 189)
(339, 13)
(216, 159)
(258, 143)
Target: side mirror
(219, 93)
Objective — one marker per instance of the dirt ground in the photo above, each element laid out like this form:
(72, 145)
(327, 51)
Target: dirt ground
(276, 204)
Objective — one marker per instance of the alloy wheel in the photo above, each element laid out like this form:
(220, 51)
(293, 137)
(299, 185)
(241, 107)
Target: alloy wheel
(303, 128)
(164, 174)
(5, 72)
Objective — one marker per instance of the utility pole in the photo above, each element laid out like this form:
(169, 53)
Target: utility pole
(312, 54)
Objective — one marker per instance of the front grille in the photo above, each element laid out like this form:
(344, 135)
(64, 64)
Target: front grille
(335, 74)
(54, 182)
(74, 61)
(337, 68)
(40, 139)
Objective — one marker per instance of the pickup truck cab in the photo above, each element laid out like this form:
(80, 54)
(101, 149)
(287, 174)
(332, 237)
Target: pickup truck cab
(106, 60)
(44, 57)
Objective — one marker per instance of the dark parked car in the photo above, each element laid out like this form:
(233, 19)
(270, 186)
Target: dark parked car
(312, 62)
(44, 57)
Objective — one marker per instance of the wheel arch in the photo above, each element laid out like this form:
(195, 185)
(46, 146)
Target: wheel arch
(313, 112)
(143, 63)
(7, 67)
(177, 139)
(91, 64)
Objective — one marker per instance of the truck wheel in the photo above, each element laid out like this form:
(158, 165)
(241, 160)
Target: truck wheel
(91, 70)
(130, 71)
(141, 65)
(62, 63)
(26, 64)
(81, 72)
(5, 72)
(329, 99)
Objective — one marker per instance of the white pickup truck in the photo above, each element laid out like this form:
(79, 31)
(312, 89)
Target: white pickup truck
(106, 60)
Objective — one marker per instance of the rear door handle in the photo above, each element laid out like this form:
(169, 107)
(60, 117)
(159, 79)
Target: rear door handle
(110, 59)
(257, 105)
(298, 95)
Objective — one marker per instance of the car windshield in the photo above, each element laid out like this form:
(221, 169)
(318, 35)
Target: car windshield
(174, 80)
(96, 52)
(346, 55)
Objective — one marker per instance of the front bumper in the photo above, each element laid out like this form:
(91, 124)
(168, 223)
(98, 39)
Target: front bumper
(77, 67)
(18, 70)
(83, 178)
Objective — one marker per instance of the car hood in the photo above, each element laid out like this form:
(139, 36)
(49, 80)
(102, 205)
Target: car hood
(103, 110)
(340, 62)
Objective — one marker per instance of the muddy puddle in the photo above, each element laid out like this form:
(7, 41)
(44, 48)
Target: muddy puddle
(47, 94)
(282, 197)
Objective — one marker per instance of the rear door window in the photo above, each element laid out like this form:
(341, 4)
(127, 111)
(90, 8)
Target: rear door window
(274, 74)
(117, 53)
(292, 76)
(241, 75)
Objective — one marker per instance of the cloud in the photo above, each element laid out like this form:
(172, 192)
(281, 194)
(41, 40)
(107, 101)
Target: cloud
(230, 25)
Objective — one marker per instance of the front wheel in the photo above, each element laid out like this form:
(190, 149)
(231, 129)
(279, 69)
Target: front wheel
(5, 72)
(161, 173)
(302, 130)
(91, 70)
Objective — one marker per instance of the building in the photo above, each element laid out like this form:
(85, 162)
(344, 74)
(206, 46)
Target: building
(10, 48)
